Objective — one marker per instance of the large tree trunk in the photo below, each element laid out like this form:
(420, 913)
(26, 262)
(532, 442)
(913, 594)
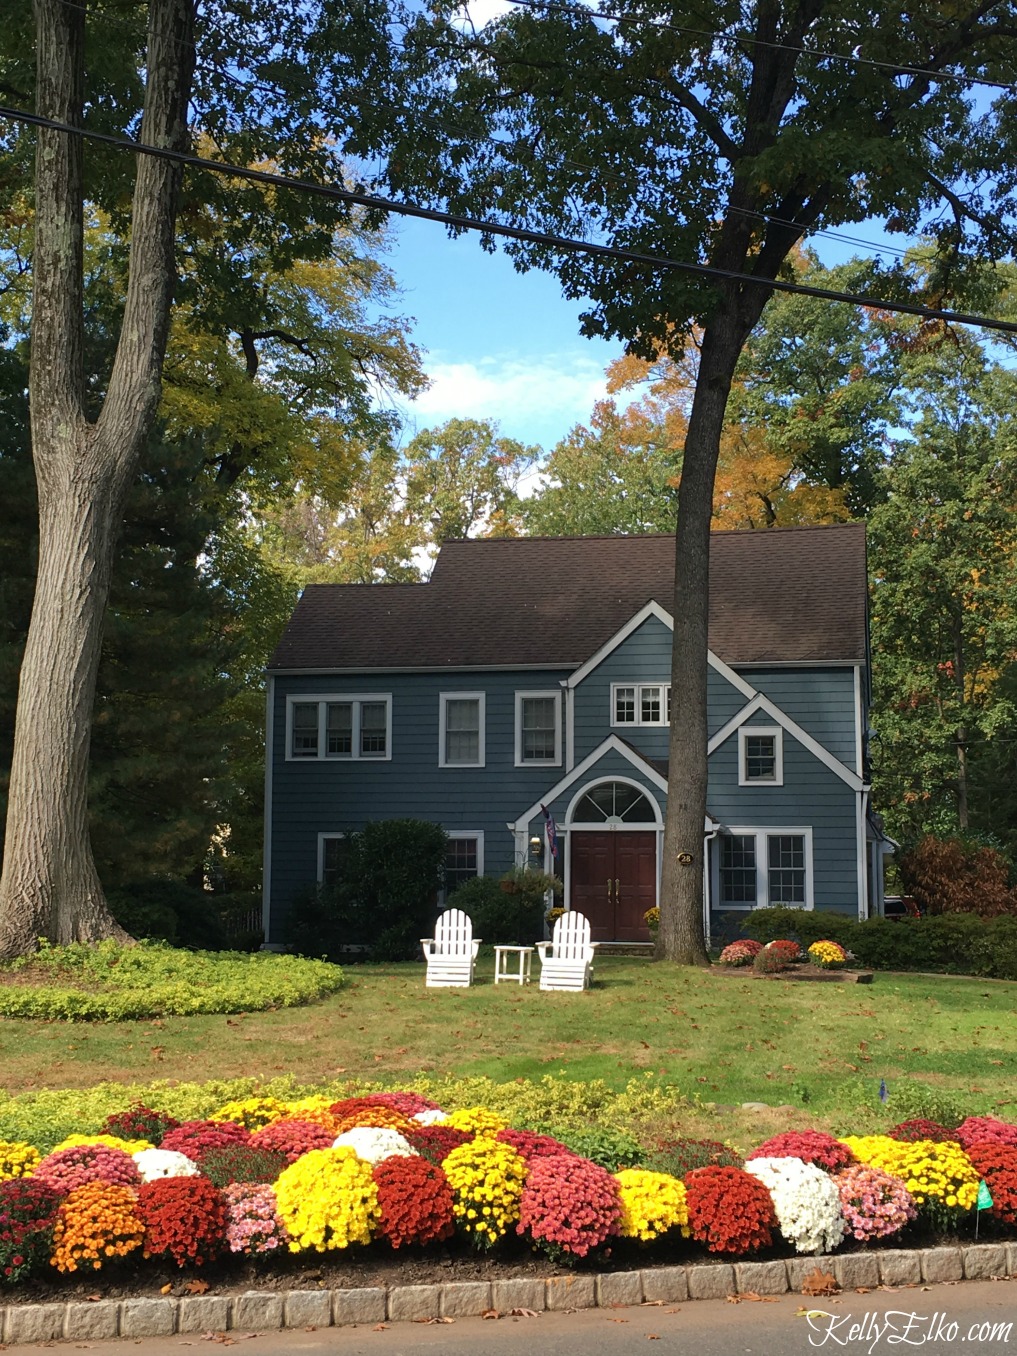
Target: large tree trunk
(49, 886)
(681, 936)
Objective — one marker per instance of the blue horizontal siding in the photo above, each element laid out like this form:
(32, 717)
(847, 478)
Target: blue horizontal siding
(822, 701)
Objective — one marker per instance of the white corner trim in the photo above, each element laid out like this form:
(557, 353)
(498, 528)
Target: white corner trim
(554, 695)
(862, 865)
(648, 610)
(266, 868)
(481, 699)
(777, 732)
(769, 708)
(611, 744)
(859, 746)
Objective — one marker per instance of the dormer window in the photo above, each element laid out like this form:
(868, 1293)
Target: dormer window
(760, 756)
(641, 704)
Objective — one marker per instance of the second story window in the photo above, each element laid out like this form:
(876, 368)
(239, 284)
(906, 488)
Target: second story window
(461, 729)
(641, 704)
(760, 756)
(538, 729)
(339, 727)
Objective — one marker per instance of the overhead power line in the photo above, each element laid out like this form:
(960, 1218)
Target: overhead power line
(772, 44)
(565, 244)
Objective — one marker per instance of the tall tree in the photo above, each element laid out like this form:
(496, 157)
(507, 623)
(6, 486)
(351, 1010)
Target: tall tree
(261, 93)
(722, 135)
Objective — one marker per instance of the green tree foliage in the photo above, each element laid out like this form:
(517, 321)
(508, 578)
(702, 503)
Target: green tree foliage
(944, 593)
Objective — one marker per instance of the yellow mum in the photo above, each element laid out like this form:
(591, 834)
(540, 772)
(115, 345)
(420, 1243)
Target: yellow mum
(129, 1146)
(486, 1177)
(17, 1159)
(651, 1204)
(327, 1199)
(936, 1172)
(476, 1120)
(252, 1112)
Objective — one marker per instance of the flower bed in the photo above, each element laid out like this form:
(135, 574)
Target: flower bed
(266, 1176)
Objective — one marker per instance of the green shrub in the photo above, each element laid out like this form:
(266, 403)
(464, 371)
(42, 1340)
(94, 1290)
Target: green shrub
(183, 915)
(911, 1100)
(513, 919)
(385, 899)
(950, 943)
(113, 983)
(610, 1149)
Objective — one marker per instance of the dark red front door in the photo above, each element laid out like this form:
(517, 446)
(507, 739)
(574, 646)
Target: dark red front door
(613, 881)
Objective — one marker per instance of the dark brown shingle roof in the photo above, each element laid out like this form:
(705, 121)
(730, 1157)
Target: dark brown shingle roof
(784, 595)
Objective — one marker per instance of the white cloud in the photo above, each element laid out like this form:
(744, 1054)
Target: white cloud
(536, 399)
(480, 12)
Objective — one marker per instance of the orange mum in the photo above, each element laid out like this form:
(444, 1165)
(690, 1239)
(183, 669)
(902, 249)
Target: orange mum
(377, 1117)
(97, 1221)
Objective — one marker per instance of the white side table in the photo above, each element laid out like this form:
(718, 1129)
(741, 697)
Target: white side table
(504, 956)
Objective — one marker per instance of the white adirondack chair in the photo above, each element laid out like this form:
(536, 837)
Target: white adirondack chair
(451, 952)
(566, 961)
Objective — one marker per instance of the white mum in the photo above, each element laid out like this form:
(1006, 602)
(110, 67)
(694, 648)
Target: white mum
(156, 1163)
(373, 1143)
(806, 1201)
(435, 1117)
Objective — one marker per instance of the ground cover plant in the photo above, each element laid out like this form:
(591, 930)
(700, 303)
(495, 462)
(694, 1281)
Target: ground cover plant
(85, 1208)
(722, 1036)
(113, 983)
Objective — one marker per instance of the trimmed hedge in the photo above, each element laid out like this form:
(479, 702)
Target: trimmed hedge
(956, 943)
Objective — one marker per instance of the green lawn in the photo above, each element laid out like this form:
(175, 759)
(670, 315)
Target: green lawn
(725, 1036)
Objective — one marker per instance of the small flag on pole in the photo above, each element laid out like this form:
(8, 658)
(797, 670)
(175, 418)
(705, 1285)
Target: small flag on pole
(884, 1096)
(984, 1201)
(552, 832)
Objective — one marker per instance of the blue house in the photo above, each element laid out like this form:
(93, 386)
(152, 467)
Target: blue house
(534, 672)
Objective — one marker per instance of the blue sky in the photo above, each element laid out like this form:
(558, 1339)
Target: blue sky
(506, 346)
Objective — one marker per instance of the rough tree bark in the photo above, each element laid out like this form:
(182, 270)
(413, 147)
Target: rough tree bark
(50, 887)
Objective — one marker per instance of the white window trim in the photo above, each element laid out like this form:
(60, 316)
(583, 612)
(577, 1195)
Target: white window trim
(744, 732)
(763, 865)
(546, 695)
(443, 699)
(639, 722)
(356, 700)
(478, 834)
(322, 837)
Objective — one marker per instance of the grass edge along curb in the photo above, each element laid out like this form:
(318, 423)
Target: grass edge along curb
(266, 1310)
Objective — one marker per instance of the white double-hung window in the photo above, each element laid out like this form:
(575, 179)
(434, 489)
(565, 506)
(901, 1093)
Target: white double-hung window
(461, 735)
(339, 726)
(538, 729)
(757, 867)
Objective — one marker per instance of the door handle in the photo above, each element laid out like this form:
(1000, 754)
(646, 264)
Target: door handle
(616, 887)
(609, 887)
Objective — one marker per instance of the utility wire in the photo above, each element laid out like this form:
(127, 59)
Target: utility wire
(746, 39)
(457, 222)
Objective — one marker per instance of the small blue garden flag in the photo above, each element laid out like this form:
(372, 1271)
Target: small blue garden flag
(884, 1096)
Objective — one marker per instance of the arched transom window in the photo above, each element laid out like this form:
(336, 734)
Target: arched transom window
(614, 803)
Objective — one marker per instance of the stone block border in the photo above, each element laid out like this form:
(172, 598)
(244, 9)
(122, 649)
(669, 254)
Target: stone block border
(267, 1311)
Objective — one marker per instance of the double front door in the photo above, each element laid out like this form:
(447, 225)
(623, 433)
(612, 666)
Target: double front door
(613, 881)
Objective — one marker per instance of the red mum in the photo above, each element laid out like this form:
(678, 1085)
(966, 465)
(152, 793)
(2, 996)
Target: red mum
(294, 1138)
(184, 1218)
(729, 1210)
(811, 1146)
(569, 1204)
(997, 1163)
(195, 1138)
(436, 1142)
(406, 1103)
(531, 1145)
(910, 1132)
(139, 1122)
(416, 1201)
(985, 1129)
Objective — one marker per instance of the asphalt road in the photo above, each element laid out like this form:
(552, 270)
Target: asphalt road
(972, 1317)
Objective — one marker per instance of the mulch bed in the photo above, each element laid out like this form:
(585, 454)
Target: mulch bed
(809, 974)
